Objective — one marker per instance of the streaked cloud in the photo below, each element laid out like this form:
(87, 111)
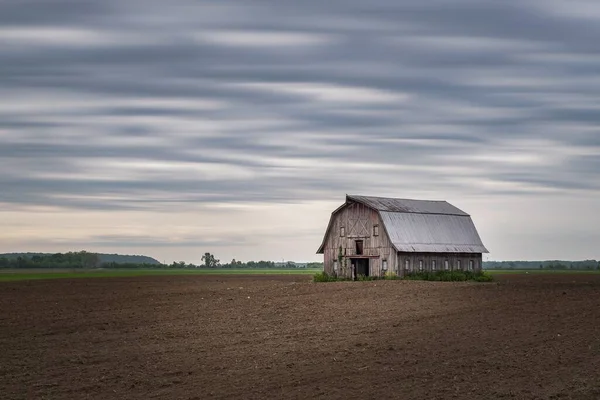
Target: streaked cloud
(123, 112)
(262, 39)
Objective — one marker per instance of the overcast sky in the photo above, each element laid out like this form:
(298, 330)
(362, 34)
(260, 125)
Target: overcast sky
(236, 127)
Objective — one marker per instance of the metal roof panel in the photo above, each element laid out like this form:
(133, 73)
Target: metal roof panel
(434, 233)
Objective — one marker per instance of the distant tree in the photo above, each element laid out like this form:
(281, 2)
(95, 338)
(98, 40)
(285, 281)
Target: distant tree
(234, 264)
(210, 261)
(89, 260)
(180, 264)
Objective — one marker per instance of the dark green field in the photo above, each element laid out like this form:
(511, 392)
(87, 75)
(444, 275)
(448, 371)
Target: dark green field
(18, 275)
(542, 271)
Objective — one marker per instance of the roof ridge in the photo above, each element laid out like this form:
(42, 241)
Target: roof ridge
(463, 214)
(392, 204)
(395, 198)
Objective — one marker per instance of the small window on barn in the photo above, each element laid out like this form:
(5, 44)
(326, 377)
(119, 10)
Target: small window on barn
(342, 232)
(375, 230)
(335, 265)
(458, 265)
(406, 264)
(420, 265)
(470, 265)
(433, 266)
(384, 265)
(446, 265)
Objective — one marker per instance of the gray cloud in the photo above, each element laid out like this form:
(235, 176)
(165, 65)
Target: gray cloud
(132, 105)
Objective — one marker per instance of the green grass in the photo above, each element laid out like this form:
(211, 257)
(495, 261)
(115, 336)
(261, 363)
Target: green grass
(12, 275)
(449, 276)
(323, 276)
(542, 271)
(19, 275)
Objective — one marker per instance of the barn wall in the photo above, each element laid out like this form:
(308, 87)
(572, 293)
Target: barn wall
(440, 258)
(358, 221)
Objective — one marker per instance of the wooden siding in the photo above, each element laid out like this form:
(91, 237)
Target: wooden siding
(439, 258)
(358, 221)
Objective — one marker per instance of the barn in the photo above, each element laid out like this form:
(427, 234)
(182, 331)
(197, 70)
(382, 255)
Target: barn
(373, 236)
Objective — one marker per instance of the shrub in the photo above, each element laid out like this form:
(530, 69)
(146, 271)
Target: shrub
(484, 277)
(324, 277)
(449, 276)
(391, 276)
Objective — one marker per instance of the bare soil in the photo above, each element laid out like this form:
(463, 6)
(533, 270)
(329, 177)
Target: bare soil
(259, 337)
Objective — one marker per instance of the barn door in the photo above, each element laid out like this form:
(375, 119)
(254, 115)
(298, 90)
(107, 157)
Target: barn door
(362, 267)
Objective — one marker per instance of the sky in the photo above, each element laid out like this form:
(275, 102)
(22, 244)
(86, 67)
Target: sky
(174, 128)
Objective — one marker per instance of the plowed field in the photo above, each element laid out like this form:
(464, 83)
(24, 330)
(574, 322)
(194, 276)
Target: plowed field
(268, 337)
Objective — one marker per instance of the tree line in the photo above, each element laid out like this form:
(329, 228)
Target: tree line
(209, 261)
(84, 259)
(80, 259)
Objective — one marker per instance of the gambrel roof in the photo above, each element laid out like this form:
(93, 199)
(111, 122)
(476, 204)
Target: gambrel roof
(422, 226)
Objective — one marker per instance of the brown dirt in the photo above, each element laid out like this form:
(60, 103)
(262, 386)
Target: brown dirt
(258, 337)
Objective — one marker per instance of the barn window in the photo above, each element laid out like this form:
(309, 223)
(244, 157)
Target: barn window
(420, 265)
(335, 265)
(384, 265)
(446, 265)
(458, 265)
(433, 266)
(406, 264)
(342, 231)
(375, 230)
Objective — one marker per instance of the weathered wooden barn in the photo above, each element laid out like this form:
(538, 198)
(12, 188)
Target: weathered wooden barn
(374, 235)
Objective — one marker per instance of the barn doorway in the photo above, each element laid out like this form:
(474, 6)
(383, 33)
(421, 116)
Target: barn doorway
(361, 267)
